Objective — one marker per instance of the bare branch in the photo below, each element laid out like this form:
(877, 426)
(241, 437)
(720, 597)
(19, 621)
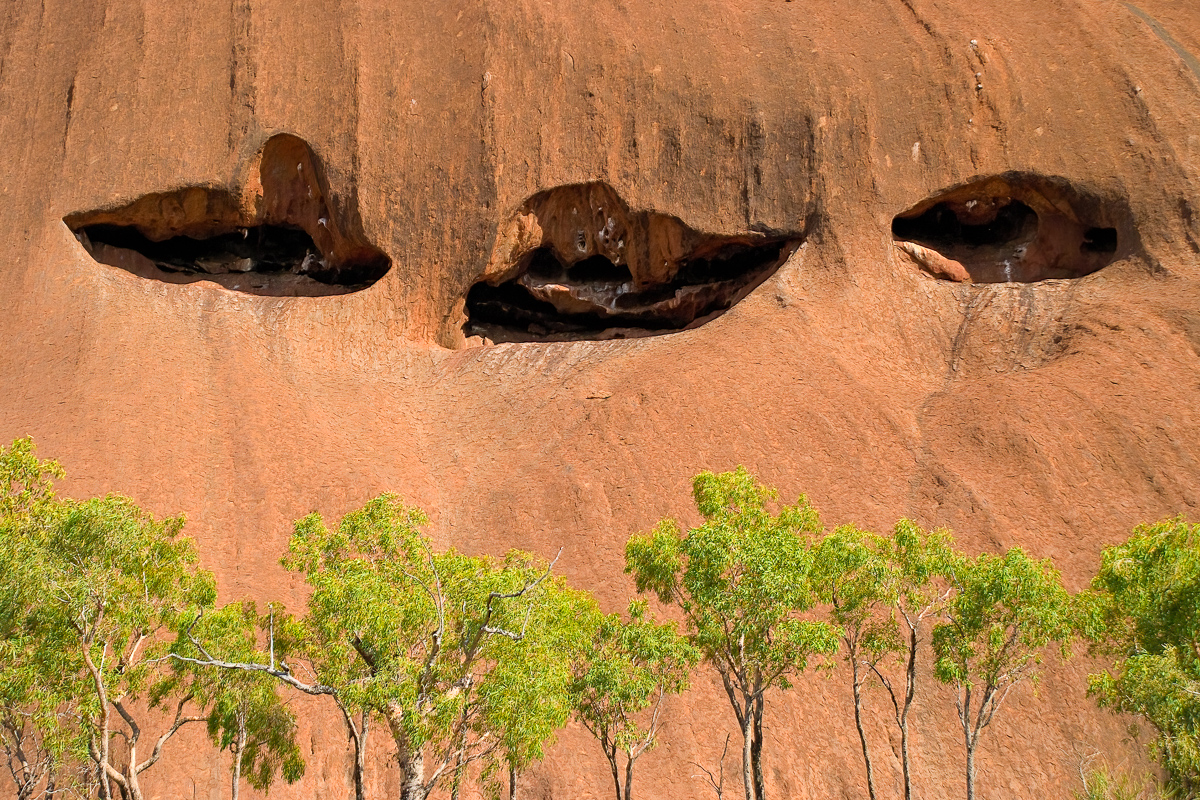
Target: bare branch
(178, 723)
(282, 672)
(717, 782)
(490, 610)
(135, 732)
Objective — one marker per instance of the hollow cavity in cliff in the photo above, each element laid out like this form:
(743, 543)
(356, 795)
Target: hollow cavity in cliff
(576, 263)
(276, 237)
(1010, 228)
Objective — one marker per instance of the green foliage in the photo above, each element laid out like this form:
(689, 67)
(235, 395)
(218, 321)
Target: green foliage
(1102, 784)
(1007, 610)
(743, 580)
(881, 592)
(468, 659)
(92, 593)
(924, 561)
(37, 728)
(1146, 611)
(620, 681)
(25, 481)
(116, 582)
(245, 714)
(884, 588)
(524, 684)
(855, 576)
(875, 583)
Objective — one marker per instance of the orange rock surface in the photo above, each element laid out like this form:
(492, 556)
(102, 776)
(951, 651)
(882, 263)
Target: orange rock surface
(1054, 414)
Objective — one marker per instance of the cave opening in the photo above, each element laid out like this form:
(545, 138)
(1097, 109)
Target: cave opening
(595, 298)
(273, 235)
(1100, 240)
(260, 259)
(729, 263)
(941, 225)
(599, 270)
(1011, 229)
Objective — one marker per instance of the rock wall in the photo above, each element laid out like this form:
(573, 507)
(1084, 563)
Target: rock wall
(886, 367)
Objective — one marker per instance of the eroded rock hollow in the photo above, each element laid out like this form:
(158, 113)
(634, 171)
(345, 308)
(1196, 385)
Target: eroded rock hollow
(576, 262)
(1012, 228)
(276, 237)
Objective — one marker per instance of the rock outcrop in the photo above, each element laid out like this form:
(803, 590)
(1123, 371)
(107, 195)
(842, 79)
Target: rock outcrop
(879, 161)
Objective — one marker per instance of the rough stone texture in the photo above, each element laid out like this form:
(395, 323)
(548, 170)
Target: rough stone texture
(1054, 415)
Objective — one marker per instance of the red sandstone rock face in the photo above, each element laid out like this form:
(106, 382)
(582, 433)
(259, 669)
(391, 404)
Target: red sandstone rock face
(1052, 414)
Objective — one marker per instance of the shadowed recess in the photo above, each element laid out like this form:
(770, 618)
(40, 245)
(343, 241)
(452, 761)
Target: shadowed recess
(576, 263)
(1014, 228)
(277, 237)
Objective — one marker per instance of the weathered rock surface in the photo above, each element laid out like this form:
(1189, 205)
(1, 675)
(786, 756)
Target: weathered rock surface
(1054, 414)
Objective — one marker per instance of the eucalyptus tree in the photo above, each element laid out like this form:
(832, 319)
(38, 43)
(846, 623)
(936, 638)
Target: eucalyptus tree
(1006, 610)
(882, 592)
(117, 582)
(860, 585)
(621, 680)
(466, 659)
(91, 594)
(742, 582)
(1146, 614)
(26, 482)
(923, 564)
(244, 712)
(36, 726)
(100, 582)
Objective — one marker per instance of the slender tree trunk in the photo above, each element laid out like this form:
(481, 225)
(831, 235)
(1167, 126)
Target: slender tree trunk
(862, 735)
(964, 712)
(133, 788)
(104, 785)
(105, 745)
(512, 782)
(970, 769)
(629, 776)
(358, 736)
(360, 758)
(411, 760)
(760, 791)
(239, 755)
(910, 689)
(747, 758)
(610, 752)
(413, 785)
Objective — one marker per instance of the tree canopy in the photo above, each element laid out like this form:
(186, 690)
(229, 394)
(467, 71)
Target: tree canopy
(36, 724)
(1147, 615)
(621, 680)
(94, 592)
(742, 580)
(111, 640)
(466, 658)
(1005, 611)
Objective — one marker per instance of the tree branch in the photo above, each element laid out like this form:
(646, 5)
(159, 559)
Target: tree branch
(179, 722)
